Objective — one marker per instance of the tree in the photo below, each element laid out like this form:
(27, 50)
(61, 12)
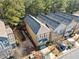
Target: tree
(1, 8)
(35, 7)
(57, 4)
(64, 5)
(48, 6)
(72, 6)
(14, 10)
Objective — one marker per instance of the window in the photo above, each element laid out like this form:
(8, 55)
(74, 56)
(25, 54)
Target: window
(45, 34)
(1, 47)
(13, 46)
(41, 36)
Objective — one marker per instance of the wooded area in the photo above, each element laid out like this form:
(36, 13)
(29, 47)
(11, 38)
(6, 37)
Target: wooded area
(14, 10)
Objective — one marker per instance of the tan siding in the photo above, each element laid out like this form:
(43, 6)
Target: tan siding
(32, 34)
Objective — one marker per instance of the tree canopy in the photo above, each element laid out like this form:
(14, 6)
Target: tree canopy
(37, 6)
(14, 10)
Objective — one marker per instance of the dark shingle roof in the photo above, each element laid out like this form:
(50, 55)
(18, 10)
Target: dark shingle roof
(35, 26)
(59, 18)
(54, 24)
(67, 16)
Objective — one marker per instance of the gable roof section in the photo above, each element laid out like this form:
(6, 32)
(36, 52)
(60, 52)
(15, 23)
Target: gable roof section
(2, 29)
(3, 36)
(35, 26)
(67, 16)
(54, 24)
(59, 19)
